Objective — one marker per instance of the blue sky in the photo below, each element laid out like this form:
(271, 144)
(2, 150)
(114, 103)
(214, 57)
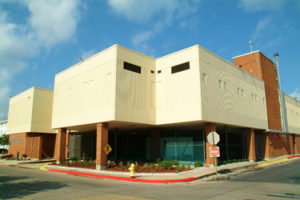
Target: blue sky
(41, 38)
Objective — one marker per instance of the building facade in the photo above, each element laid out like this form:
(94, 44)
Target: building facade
(148, 109)
(29, 124)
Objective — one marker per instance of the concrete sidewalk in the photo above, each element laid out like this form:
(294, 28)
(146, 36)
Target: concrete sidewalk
(186, 176)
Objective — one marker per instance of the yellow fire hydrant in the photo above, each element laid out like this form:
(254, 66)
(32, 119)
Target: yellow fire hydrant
(131, 169)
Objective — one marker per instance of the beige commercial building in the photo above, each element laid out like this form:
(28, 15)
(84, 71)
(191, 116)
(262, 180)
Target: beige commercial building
(29, 124)
(147, 108)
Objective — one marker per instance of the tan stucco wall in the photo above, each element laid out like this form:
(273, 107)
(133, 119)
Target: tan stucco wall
(221, 101)
(135, 92)
(85, 93)
(42, 111)
(20, 112)
(178, 95)
(292, 114)
(99, 89)
(30, 111)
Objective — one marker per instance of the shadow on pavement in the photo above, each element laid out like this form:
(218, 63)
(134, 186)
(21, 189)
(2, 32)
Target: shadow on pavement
(4, 179)
(11, 187)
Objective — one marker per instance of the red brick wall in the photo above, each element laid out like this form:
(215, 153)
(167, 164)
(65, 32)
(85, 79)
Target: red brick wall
(17, 144)
(32, 144)
(262, 67)
(250, 63)
(272, 96)
(278, 145)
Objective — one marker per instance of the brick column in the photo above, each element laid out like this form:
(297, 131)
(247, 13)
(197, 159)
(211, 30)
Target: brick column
(297, 144)
(60, 145)
(267, 146)
(250, 141)
(102, 140)
(155, 144)
(40, 143)
(67, 145)
(209, 127)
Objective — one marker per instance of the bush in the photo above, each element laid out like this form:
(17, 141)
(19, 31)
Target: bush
(24, 156)
(168, 164)
(198, 164)
(74, 158)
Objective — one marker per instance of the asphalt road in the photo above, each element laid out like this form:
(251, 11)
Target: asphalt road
(277, 182)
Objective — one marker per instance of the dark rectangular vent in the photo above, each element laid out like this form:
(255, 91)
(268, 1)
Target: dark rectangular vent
(181, 67)
(132, 67)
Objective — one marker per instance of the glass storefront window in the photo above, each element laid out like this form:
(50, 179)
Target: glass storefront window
(182, 146)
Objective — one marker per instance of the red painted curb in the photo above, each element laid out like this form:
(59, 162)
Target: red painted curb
(294, 156)
(126, 178)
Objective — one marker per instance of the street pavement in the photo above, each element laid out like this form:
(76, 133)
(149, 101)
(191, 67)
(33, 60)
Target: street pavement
(281, 181)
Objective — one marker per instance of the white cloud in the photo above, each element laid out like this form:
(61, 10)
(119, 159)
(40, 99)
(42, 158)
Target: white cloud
(261, 26)
(296, 94)
(86, 54)
(143, 10)
(49, 23)
(53, 21)
(156, 15)
(261, 5)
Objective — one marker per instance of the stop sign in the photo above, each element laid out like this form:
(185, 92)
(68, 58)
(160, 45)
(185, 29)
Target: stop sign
(213, 138)
(214, 152)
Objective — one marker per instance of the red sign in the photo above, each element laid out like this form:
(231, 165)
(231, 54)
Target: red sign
(214, 152)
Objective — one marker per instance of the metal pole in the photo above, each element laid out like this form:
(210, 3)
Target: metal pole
(251, 46)
(282, 100)
(215, 161)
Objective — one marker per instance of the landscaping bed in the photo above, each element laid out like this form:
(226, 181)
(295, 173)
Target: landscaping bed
(164, 166)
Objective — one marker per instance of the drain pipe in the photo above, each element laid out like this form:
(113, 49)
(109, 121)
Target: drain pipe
(281, 97)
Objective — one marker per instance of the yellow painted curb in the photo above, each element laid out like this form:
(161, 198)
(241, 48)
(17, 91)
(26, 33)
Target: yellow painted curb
(44, 168)
(273, 162)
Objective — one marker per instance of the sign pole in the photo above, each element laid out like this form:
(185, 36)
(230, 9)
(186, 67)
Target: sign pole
(215, 161)
(213, 138)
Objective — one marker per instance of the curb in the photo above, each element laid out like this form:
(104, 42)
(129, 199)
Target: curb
(277, 161)
(184, 180)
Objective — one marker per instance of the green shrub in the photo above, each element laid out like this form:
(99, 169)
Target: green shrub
(182, 166)
(198, 164)
(168, 164)
(189, 166)
(74, 158)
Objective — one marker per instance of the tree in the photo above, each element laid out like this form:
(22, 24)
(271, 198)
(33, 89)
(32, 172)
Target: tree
(4, 140)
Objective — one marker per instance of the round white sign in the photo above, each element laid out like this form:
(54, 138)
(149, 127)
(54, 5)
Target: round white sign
(213, 138)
